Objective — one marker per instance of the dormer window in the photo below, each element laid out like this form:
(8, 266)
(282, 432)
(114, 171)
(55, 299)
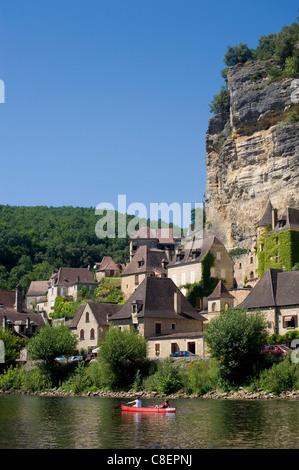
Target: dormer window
(140, 263)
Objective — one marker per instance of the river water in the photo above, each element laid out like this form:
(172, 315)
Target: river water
(41, 422)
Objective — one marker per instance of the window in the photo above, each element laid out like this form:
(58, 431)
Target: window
(174, 278)
(173, 326)
(157, 349)
(92, 334)
(277, 241)
(174, 347)
(213, 306)
(226, 306)
(218, 255)
(81, 334)
(240, 265)
(192, 277)
(87, 317)
(222, 273)
(252, 275)
(262, 247)
(251, 259)
(289, 322)
(136, 279)
(158, 328)
(183, 278)
(277, 257)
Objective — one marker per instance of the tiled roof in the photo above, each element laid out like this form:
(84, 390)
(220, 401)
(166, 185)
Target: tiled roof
(157, 298)
(37, 288)
(8, 299)
(200, 246)
(289, 221)
(145, 260)
(162, 235)
(16, 317)
(99, 310)
(220, 291)
(276, 288)
(267, 217)
(70, 276)
(107, 263)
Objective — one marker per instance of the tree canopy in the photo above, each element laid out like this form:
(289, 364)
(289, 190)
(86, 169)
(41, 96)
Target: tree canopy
(235, 338)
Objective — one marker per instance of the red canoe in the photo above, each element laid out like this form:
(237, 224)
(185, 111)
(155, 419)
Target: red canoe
(152, 409)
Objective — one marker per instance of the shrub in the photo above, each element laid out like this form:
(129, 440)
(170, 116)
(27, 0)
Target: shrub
(201, 377)
(36, 380)
(281, 377)
(168, 378)
(120, 355)
(11, 379)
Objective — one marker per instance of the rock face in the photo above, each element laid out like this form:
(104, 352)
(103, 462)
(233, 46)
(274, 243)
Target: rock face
(252, 155)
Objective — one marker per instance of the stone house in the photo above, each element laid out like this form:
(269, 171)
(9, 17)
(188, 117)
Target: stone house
(16, 317)
(278, 240)
(160, 312)
(91, 323)
(108, 268)
(186, 268)
(37, 294)
(67, 283)
(146, 262)
(161, 239)
(220, 299)
(276, 294)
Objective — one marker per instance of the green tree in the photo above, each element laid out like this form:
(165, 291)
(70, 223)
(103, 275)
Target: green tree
(50, 343)
(221, 102)
(120, 356)
(235, 339)
(13, 345)
(237, 54)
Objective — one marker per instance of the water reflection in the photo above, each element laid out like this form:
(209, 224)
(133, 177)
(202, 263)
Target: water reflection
(92, 423)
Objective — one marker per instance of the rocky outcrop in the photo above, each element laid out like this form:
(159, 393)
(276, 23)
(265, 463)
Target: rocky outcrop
(252, 155)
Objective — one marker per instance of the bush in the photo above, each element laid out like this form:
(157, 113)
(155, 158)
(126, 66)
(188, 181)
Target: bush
(235, 338)
(201, 377)
(167, 379)
(120, 356)
(281, 377)
(11, 379)
(36, 380)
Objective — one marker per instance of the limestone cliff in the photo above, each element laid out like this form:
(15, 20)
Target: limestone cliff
(252, 154)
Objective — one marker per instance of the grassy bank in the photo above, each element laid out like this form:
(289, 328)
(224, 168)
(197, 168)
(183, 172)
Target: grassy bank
(190, 377)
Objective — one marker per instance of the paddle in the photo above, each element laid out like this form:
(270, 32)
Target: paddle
(119, 406)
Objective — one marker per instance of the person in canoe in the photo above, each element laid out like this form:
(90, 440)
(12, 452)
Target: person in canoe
(164, 405)
(136, 403)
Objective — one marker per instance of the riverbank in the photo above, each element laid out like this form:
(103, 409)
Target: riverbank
(241, 394)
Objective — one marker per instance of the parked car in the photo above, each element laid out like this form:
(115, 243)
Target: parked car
(183, 354)
(61, 359)
(75, 359)
(278, 349)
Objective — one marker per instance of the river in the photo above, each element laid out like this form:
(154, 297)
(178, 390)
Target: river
(41, 422)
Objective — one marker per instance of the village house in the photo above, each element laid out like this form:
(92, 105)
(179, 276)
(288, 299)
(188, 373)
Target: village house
(67, 283)
(16, 317)
(146, 262)
(91, 323)
(160, 312)
(276, 246)
(36, 296)
(161, 239)
(108, 268)
(187, 268)
(276, 294)
(220, 299)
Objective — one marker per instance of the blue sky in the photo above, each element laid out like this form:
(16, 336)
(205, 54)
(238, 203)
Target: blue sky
(109, 97)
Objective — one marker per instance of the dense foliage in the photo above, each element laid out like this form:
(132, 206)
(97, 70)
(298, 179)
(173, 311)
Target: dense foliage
(36, 240)
(235, 338)
(121, 355)
(50, 343)
(280, 51)
(278, 251)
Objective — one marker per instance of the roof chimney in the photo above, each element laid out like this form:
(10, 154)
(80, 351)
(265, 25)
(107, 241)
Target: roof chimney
(178, 302)
(4, 322)
(19, 299)
(274, 218)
